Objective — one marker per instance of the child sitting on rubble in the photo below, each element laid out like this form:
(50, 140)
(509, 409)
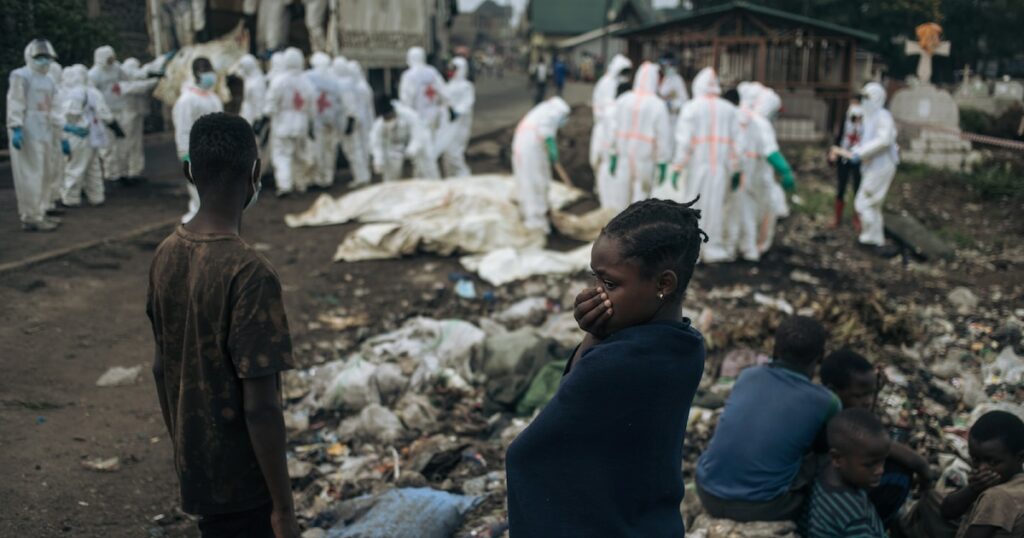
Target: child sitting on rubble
(756, 467)
(856, 382)
(839, 504)
(993, 501)
(604, 457)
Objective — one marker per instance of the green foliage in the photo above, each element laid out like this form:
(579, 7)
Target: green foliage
(996, 178)
(1002, 126)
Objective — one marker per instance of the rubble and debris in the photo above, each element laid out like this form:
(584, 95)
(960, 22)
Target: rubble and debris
(105, 465)
(119, 376)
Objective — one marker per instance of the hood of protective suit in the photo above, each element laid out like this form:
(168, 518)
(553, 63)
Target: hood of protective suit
(706, 83)
(618, 63)
(247, 65)
(461, 68)
(276, 62)
(416, 56)
(646, 80)
(292, 60)
(854, 110)
(341, 69)
(37, 47)
(748, 92)
(357, 69)
(131, 67)
(75, 76)
(556, 108)
(767, 103)
(873, 98)
(102, 55)
(320, 62)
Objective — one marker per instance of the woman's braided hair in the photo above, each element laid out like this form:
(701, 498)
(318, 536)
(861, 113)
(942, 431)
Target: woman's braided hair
(660, 234)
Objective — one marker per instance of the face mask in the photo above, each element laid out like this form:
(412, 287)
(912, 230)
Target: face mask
(255, 189)
(207, 80)
(41, 62)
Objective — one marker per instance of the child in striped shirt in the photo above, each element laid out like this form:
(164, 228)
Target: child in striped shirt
(839, 504)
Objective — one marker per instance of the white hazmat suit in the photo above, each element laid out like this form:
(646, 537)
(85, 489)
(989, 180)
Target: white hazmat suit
(290, 106)
(136, 89)
(707, 138)
(107, 76)
(193, 103)
(419, 89)
(85, 110)
(460, 95)
(878, 155)
(533, 151)
(392, 140)
(673, 91)
(330, 119)
(354, 143)
(642, 142)
(34, 126)
(603, 106)
(254, 88)
(366, 107)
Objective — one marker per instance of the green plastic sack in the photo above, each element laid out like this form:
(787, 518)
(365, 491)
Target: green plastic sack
(542, 388)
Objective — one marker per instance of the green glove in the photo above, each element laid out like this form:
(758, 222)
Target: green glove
(552, 149)
(614, 163)
(780, 165)
(675, 180)
(736, 181)
(185, 158)
(662, 169)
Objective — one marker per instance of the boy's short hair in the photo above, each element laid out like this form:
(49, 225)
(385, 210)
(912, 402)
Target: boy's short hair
(1001, 425)
(799, 340)
(837, 368)
(198, 63)
(849, 427)
(222, 147)
(660, 234)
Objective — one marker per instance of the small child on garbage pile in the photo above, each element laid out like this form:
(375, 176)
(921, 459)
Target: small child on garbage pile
(856, 382)
(760, 463)
(604, 457)
(993, 501)
(839, 506)
(221, 342)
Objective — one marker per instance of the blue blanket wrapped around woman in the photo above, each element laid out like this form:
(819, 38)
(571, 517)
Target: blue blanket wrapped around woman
(604, 457)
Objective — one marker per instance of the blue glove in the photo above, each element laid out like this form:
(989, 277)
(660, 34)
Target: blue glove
(65, 146)
(80, 132)
(16, 138)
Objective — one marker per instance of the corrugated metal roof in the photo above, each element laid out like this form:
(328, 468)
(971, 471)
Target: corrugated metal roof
(572, 17)
(753, 8)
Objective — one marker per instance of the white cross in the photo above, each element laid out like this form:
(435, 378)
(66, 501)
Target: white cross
(924, 65)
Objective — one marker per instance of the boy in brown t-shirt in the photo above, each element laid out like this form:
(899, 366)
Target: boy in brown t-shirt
(993, 501)
(221, 342)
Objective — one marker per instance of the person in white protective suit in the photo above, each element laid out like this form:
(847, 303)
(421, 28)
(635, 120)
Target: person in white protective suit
(197, 99)
(107, 76)
(419, 89)
(534, 151)
(750, 207)
(354, 139)
(331, 119)
(33, 134)
(641, 144)
(84, 112)
(603, 103)
(707, 138)
(397, 135)
(460, 94)
(367, 105)
(140, 80)
(878, 155)
(272, 24)
(52, 190)
(672, 88)
(316, 13)
(254, 88)
(290, 106)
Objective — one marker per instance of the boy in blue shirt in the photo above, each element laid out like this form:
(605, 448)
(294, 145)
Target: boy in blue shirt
(751, 470)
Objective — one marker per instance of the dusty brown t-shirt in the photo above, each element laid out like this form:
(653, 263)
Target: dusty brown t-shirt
(218, 318)
(1001, 507)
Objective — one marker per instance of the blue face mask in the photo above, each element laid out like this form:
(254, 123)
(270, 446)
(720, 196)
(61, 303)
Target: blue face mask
(42, 62)
(207, 80)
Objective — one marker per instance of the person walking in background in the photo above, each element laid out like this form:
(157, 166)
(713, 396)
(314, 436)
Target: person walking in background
(561, 71)
(846, 170)
(539, 77)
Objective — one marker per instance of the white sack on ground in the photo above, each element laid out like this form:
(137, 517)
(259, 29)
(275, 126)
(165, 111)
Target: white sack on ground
(585, 227)
(508, 265)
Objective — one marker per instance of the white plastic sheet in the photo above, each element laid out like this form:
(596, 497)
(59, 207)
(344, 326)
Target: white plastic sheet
(508, 264)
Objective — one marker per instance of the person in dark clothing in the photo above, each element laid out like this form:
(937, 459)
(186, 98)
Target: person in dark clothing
(856, 381)
(222, 341)
(846, 170)
(561, 72)
(604, 457)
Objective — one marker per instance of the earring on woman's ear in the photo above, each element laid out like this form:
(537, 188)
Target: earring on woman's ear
(661, 295)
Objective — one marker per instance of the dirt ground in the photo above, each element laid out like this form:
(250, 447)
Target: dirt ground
(69, 319)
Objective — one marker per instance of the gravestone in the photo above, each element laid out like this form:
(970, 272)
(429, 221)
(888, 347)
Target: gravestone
(927, 116)
(1009, 89)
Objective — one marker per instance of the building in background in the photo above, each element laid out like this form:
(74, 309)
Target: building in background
(580, 30)
(815, 66)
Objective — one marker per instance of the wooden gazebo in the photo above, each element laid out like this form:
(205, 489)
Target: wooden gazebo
(743, 41)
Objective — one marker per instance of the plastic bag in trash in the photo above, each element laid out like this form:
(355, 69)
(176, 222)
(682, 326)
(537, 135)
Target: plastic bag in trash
(351, 388)
(542, 388)
(375, 422)
(1007, 368)
(436, 345)
(410, 513)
